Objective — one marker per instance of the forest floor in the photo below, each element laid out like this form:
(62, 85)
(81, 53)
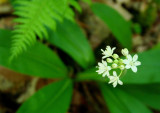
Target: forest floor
(15, 88)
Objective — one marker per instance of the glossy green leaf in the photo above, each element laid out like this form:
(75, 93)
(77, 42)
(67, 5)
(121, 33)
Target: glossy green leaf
(148, 71)
(89, 75)
(70, 38)
(137, 28)
(119, 101)
(157, 46)
(37, 61)
(115, 22)
(54, 98)
(148, 94)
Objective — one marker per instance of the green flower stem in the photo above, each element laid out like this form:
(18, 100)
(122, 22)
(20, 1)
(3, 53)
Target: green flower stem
(120, 73)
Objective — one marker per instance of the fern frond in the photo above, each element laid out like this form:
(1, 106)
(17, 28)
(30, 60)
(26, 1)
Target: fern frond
(34, 16)
(76, 5)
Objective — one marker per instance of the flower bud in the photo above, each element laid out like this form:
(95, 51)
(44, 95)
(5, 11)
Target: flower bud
(114, 65)
(109, 60)
(120, 61)
(125, 51)
(116, 61)
(115, 56)
(121, 67)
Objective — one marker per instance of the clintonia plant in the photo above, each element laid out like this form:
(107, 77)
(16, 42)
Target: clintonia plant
(42, 61)
(115, 63)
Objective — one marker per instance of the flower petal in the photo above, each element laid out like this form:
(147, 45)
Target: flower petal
(134, 68)
(114, 73)
(102, 50)
(109, 68)
(113, 49)
(111, 79)
(125, 61)
(104, 63)
(137, 63)
(128, 66)
(100, 64)
(115, 84)
(99, 71)
(135, 57)
(105, 73)
(108, 73)
(108, 48)
(129, 57)
(104, 57)
(120, 82)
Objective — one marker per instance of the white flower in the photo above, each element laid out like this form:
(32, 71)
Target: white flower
(125, 51)
(115, 79)
(132, 62)
(108, 52)
(115, 63)
(103, 68)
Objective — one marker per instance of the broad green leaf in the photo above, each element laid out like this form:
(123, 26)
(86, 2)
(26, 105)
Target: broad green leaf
(119, 101)
(137, 28)
(115, 22)
(157, 46)
(148, 71)
(148, 94)
(37, 61)
(70, 38)
(89, 75)
(54, 98)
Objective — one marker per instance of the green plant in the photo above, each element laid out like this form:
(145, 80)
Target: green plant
(34, 17)
(40, 60)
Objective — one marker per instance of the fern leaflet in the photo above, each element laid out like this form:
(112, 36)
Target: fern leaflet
(33, 18)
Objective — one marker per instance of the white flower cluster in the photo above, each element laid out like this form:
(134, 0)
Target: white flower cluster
(113, 62)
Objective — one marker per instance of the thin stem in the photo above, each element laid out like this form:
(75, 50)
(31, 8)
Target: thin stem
(120, 73)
